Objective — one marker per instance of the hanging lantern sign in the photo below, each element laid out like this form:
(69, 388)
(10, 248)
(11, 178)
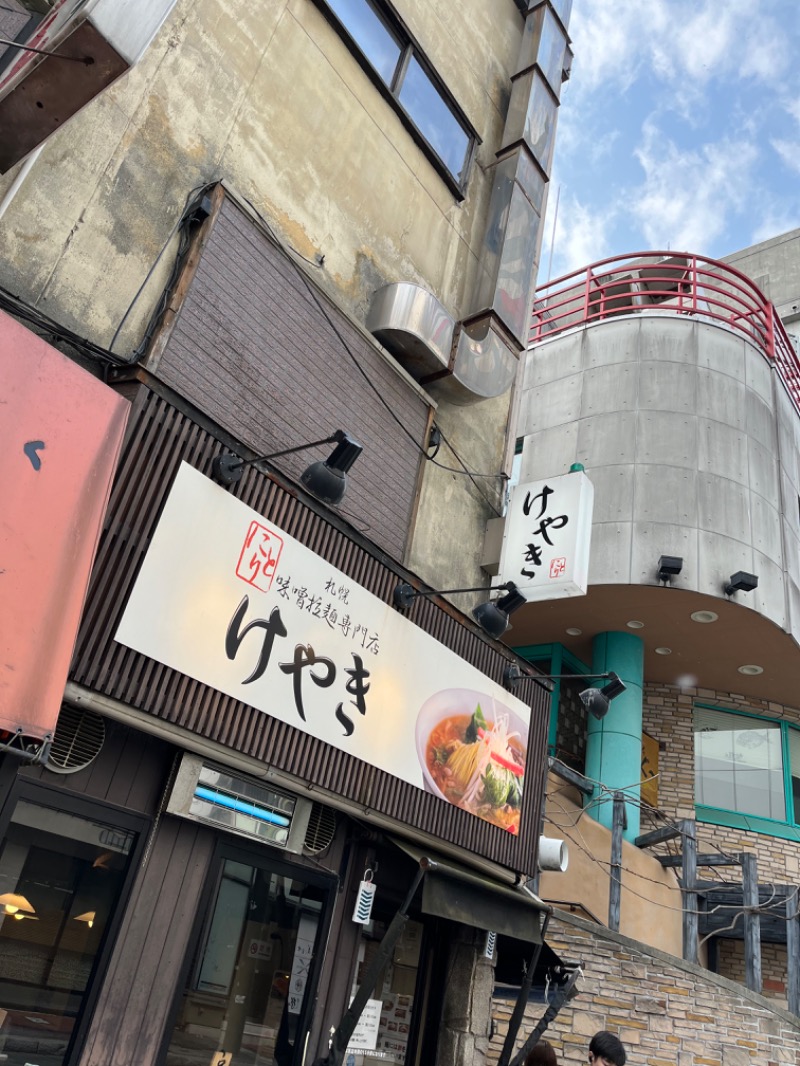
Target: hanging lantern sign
(362, 912)
(547, 536)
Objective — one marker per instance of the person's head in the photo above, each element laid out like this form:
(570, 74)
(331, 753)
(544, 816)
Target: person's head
(605, 1049)
(541, 1055)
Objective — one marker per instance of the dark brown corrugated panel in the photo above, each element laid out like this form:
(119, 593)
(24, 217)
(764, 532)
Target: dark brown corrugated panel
(261, 350)
(159, 438)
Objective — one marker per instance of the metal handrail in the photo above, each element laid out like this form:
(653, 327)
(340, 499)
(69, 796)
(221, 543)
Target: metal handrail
(659, 283)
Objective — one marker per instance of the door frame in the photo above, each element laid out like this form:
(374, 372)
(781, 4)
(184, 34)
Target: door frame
(265, 857)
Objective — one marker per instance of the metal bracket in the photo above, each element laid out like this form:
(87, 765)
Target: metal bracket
(21, 746)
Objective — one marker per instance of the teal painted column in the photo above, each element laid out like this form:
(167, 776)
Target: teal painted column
(614, 743)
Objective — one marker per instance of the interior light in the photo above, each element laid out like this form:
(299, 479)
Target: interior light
(11, 903)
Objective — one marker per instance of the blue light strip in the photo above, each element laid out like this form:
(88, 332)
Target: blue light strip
(241, 806)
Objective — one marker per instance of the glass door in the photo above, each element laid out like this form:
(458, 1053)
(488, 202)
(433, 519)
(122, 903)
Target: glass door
(245, 1000)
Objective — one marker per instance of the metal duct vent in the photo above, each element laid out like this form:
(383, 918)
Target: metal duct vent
(321, 829)
(77, 742)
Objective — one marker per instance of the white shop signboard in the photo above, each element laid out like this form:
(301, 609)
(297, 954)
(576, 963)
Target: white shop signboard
(231, 600)
(547, 536)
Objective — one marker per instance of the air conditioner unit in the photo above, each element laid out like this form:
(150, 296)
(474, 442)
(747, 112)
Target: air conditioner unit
(214, 795)
(88, 44)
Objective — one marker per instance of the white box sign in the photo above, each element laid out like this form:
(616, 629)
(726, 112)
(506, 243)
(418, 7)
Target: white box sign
(547, 536)
(231, 600)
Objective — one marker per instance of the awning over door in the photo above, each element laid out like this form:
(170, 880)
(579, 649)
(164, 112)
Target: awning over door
(450, 890)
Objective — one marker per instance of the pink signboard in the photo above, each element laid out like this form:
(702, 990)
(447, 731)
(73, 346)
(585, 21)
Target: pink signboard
(60, 436)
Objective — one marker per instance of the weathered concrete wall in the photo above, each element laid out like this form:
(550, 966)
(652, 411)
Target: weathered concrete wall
(268, 98)
(691, 442)
(467, 1007)
(774, 266)
(666, 1012)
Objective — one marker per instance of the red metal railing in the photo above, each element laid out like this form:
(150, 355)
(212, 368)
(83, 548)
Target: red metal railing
(675, 283)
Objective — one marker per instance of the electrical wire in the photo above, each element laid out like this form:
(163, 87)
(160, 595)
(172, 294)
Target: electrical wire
(16, 306)
(193, 199)
(463, 470)
(605, 865)
(107, 355)
(653, 812)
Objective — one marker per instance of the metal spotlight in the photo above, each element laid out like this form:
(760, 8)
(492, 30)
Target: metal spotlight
(669, 566)
(327, 480)
(491, 616)
(741, 581)
(597, 700)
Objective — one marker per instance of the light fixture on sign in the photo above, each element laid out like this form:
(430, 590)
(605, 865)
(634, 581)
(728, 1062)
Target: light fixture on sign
(491, 616)
(704, 617)
(326, 480)
(595, 700)
(751, 670)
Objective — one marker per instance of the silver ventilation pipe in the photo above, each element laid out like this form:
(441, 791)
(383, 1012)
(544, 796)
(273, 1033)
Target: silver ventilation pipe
(476, 358)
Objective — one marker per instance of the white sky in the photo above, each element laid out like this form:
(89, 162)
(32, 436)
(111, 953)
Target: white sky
(679, 129)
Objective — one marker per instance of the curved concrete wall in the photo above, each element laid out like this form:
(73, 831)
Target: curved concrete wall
(692, 444)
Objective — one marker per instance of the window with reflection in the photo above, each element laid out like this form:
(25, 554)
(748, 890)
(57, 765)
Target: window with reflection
(376, 35)
(371, 34)
(61, 876)
(739, 764)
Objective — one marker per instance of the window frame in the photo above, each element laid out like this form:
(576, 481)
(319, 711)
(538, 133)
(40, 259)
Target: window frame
(390, 91)
(788, 828)
(228, 846)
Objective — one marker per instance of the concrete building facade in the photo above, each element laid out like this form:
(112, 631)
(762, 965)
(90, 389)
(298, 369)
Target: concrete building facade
(235, 239)
(673, 380)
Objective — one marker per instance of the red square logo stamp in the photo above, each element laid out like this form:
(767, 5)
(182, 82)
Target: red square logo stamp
(259, 557)
(558, 566)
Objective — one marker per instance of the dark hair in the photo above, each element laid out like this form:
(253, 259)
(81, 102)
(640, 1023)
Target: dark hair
(605, 1045)
(542, 1054)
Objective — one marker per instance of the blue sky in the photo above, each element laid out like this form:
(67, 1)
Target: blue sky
(679, 129)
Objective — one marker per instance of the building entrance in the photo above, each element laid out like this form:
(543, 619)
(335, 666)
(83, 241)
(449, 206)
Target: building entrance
(251, 979)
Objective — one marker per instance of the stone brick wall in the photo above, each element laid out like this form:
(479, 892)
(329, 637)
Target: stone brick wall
(665, 1011)
(730, 962)
(667, 716)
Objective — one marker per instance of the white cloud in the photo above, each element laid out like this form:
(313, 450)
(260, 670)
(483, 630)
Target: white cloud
(581, 237)
(688, 196)
(685, 43)
(789, 151)
(775, 218)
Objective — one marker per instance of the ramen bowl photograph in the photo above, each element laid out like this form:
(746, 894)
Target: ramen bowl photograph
(472, 750)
